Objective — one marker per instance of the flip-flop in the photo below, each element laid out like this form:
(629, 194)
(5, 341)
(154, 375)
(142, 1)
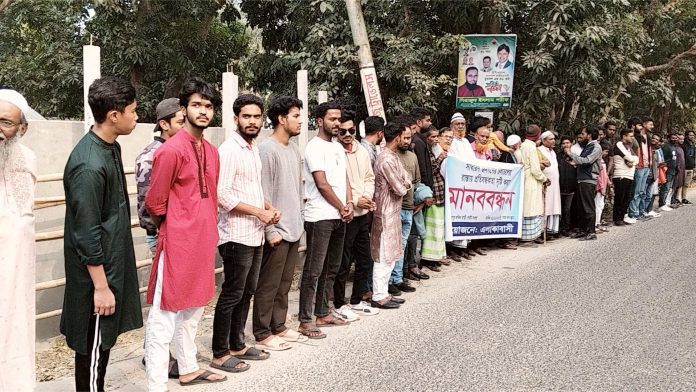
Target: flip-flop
(253, 354)
(202, 379)
(293, 336)
(230, 365)
(275, 343)
(312, 332)
(334, 322)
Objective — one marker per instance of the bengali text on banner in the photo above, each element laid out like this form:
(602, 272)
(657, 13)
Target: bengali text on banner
(483, 199)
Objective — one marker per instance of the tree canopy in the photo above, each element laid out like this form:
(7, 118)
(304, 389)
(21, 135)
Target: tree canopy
(578, 61)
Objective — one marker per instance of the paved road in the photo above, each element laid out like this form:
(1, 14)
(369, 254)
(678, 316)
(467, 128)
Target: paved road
(615, 314)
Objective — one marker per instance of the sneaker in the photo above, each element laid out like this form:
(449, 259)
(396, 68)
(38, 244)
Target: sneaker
(364, 309)
(665, 208)
(642, 218)
(346, 312)
(654, 214)
(629, 220)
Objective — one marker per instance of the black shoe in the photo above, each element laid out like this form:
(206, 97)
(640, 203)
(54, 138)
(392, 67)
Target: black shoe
(393, 290)
(405, 287)
(564, 233)
(579, 234)
(419, 275)
(173, 370)
(620, 223)
(686, 201)
(398, 300)
(386, 305)
(589, 237)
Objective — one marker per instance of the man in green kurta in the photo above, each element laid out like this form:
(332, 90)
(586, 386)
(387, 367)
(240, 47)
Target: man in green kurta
(101, 290)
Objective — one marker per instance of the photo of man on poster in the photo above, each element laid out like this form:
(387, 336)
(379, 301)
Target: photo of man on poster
(470, 88)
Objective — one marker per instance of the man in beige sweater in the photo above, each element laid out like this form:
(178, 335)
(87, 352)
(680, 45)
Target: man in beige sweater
(356, 245)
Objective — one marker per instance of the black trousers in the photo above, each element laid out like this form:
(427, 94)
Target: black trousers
(90, 369)
(356, 247)
(622, 194)
(242, 265)
(566, 212)
(322, 261)
(586, 201)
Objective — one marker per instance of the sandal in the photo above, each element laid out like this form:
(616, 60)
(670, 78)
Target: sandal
(202, 379)
(507, 245)
(274, 343)
(230, 365)
(290, 335)
(312, 332)
(253, 354)
(445, 261)
(333, 322)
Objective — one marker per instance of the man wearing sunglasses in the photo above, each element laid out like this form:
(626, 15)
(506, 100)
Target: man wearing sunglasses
(356, 245)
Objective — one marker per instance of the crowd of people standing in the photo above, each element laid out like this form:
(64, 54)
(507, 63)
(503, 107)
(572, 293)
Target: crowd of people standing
(368, 196)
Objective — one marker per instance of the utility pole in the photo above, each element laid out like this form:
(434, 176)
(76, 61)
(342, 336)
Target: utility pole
(368, 75)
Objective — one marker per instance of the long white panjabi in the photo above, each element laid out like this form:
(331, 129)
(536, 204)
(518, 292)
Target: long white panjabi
(17, 266)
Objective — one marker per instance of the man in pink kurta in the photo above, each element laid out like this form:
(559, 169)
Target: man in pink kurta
(391, 184)
(182, 200)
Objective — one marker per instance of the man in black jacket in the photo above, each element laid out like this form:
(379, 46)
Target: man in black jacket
(419, 121)
(587, 165)
(568, 181)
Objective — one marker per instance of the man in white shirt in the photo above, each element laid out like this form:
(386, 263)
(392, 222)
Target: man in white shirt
(327, 210)
(243, 216)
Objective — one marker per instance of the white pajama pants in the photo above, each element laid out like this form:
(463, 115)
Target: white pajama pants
(381, 272)
(599, 207)
(163, 327)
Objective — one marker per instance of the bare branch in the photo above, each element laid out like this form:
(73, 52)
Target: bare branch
(673, 62)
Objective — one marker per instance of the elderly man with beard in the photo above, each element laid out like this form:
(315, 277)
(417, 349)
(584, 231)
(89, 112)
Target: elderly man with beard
(553, 192)
(534, 181)
(17, 254)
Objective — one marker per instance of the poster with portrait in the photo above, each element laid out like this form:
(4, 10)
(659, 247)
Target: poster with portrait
(486, 71)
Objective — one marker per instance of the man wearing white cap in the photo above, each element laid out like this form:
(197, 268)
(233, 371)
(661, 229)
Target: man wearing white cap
(17, 253)
(512, 156)
(552, 202)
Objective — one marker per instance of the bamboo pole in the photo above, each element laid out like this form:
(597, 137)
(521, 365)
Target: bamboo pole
(59, 176)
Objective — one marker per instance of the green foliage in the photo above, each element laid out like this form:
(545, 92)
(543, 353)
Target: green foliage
(156, 44)
(41, 53)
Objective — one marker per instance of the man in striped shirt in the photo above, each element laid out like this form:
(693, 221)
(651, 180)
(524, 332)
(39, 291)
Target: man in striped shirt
(243, 216)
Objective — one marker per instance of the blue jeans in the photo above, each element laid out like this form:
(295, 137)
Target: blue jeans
(419, 223)
(397, 275)
(640, 182)
(665, 190)
(647, 204)
(151, 241)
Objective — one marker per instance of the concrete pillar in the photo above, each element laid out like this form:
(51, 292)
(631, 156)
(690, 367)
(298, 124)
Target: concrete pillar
(303, 95)
(230, 92)
(91, 66)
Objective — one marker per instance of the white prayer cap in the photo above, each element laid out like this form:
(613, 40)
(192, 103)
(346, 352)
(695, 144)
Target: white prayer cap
(16, 99)
(457, 116)
(546, 134)
(512, 140)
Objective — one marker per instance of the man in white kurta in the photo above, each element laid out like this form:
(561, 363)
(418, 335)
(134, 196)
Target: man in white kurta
(17, 252)
(552, 196)
(534, 180)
